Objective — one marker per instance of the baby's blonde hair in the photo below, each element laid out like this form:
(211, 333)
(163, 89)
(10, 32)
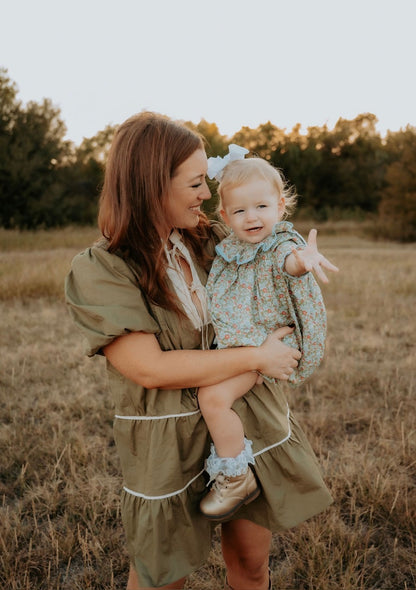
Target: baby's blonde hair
(238, 172)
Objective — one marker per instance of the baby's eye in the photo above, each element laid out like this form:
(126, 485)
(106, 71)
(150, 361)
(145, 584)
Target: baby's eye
(238, 211)
(262, 206)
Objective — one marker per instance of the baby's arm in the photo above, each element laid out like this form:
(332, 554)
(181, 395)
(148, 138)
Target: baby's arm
(308, 259)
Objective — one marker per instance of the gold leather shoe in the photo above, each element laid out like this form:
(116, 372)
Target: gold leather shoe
(228, 494)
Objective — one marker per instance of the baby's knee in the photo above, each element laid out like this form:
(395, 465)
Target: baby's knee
(210, 397)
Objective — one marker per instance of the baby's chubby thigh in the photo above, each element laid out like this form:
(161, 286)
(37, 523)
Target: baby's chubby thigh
(221, 396)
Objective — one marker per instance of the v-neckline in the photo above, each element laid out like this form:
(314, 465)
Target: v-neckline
(186, 281)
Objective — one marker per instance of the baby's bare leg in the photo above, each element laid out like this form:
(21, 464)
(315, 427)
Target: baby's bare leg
(224, 425)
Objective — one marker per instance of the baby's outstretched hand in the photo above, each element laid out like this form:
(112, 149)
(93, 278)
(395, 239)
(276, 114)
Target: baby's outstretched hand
(309, 259)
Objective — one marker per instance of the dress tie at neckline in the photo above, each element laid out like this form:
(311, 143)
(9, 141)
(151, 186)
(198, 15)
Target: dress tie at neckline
(183, 290)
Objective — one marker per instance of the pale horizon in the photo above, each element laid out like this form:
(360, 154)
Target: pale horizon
(232, 63)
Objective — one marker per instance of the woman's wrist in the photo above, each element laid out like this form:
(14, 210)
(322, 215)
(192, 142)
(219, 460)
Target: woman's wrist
(238, 360)
(254, 360)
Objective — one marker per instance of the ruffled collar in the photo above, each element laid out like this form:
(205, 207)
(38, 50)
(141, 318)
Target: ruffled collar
(233, 249)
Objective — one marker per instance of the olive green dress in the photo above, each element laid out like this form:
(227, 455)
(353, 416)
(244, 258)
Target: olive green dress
(162, 439)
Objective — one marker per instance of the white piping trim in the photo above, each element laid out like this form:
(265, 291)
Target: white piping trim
(157, 417)
(138, 495)
(165, 495)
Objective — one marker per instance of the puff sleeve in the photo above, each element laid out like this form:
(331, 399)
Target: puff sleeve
(105, 300)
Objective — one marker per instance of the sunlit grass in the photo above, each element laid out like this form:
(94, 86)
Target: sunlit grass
(34, 264)
(67, 237)
(60, 475)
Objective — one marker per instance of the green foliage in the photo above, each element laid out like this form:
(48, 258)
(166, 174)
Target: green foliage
(339, 169)
(31, 147)
(397, 212)
(262, 141)
(44, 182)
(346, 172)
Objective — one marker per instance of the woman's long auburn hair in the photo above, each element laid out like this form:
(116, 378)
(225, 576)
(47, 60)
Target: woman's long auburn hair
(146, 151)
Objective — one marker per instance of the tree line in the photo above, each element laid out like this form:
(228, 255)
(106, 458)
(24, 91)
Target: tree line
(348, 171)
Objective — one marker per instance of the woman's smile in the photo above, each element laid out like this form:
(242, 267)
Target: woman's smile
(188, 191)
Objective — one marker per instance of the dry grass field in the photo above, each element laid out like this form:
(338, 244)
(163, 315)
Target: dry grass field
(59, 483)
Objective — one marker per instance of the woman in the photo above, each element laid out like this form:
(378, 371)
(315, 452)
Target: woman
(138, 298)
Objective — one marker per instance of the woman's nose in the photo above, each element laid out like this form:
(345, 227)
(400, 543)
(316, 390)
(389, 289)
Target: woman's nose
(205, 193)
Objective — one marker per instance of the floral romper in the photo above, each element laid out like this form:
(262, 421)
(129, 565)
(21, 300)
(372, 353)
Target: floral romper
(251, 295)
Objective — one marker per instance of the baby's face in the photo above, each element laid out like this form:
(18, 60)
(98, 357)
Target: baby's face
(252, 209)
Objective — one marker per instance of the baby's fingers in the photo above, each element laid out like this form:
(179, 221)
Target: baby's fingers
(312, 238)
(320, 273)
(302, 260)
(324, 263)
(328, 265)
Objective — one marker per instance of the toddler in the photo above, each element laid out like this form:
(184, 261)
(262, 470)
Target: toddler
(260, 281)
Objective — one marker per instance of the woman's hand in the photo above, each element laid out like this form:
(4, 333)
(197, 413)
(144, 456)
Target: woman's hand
(278, 360)
(309, 259)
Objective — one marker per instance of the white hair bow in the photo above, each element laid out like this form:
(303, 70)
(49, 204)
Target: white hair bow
(217, 165)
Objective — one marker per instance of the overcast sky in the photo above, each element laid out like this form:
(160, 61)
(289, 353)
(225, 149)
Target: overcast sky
(232, 62)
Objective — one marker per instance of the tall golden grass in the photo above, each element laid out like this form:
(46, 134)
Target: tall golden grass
(60, 477)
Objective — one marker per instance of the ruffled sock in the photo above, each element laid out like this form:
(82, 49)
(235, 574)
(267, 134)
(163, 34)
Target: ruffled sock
(229, 466)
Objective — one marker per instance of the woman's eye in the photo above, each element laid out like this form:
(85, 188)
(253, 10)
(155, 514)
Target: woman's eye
(197, 185)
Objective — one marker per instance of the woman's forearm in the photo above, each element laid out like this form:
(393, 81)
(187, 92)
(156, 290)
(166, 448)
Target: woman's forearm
(138, 357)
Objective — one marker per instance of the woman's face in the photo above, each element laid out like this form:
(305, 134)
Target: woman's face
(187, 192)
